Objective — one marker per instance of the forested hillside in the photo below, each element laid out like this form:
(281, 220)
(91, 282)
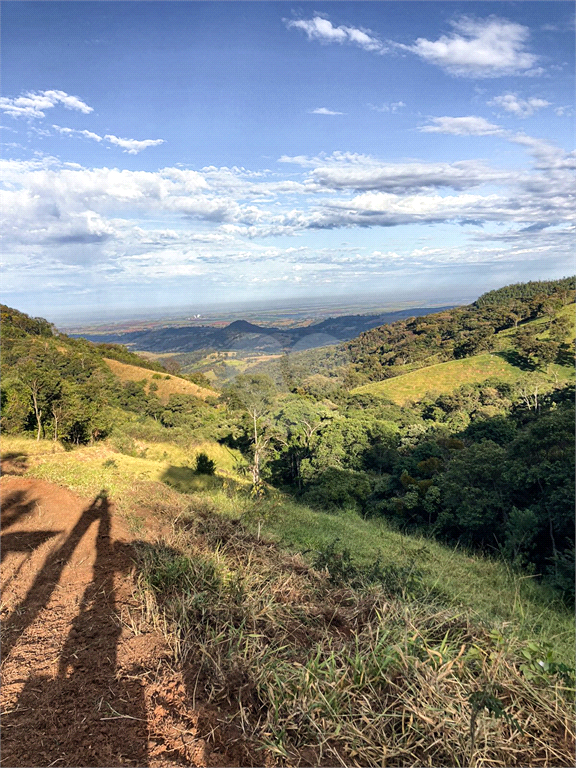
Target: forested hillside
(391, 350)
(61, 388)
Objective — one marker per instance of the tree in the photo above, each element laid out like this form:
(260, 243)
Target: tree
(204, 465)
(297, 426)
(473, 494)
(42, 384)
(254, 394)
(559, 329)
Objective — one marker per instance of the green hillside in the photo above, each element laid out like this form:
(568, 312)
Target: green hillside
(443, 378)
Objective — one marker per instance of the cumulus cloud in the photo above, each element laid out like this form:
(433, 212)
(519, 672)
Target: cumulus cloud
(462, 126)
(322, 29)
(490, 47)
(324, 111)
(133, 146)
(178, 222)
(33, 103)
(517, 106)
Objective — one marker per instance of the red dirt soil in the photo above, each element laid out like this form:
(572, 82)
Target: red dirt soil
(82, 683)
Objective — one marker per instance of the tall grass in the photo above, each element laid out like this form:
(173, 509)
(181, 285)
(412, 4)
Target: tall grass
(324, 675)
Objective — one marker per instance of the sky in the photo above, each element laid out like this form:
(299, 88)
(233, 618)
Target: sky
(170, 154)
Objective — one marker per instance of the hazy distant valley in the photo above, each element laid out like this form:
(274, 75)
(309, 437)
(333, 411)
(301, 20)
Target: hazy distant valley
(245, 336)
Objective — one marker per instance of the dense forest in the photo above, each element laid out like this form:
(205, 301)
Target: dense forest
(488, 466)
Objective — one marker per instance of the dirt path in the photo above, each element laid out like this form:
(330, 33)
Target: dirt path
(82, 685)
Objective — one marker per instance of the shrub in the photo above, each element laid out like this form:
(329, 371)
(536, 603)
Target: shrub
(204, 465)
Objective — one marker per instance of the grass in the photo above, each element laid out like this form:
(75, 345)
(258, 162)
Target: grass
(324, 675)
(225, 364)
(496, 596)
(444, 378)
(29, 446)
(321, 673)
(88, 469)
(167, 384)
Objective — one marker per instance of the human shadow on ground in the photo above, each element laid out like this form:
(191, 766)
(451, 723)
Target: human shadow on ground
(88, 714)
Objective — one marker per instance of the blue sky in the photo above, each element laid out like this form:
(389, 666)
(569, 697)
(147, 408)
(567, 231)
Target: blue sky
(162, 154)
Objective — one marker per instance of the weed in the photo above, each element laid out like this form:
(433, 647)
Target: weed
(485, 698)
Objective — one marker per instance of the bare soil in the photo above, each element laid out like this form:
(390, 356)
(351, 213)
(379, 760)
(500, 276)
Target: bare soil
(84, 682)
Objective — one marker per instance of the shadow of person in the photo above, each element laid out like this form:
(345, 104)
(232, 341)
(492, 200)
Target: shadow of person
(88, 714)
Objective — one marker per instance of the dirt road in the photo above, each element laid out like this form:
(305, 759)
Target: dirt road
(83, 683)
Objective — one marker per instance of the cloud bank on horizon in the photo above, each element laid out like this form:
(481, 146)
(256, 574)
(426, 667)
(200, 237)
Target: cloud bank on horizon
(423, 173)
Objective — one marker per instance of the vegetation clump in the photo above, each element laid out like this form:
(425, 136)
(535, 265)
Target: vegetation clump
(204, 465)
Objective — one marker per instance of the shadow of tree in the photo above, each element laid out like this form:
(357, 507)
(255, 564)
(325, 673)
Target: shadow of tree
(513, 357)
(187, 480)
(15, 506)
(24, 541)
(15, 463)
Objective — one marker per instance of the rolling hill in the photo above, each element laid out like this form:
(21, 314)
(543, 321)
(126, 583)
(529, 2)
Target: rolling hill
(166, 383)
(444, 378)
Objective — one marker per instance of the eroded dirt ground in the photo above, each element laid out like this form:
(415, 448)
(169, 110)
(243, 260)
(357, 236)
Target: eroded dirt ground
(83, 682)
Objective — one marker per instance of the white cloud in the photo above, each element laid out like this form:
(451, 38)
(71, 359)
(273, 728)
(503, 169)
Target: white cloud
(74, 132)
(324, 111)
(394, 106)
(403, 178)
(517, 106)
(133, 146)
(489, 47)
(566, 111)
(462, 126)
(323, 30)
(32, 104)
(176, 222)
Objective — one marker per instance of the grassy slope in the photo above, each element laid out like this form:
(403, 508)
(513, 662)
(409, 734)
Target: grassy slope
(443, 378)
(316, 674)
(516, 605)
(167, 384)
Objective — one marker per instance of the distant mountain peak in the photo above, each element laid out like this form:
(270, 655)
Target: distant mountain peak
(243, 326)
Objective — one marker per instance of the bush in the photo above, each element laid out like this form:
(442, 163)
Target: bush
(204, 465)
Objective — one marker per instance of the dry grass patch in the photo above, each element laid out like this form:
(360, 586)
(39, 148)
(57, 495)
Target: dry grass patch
(167, 384)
